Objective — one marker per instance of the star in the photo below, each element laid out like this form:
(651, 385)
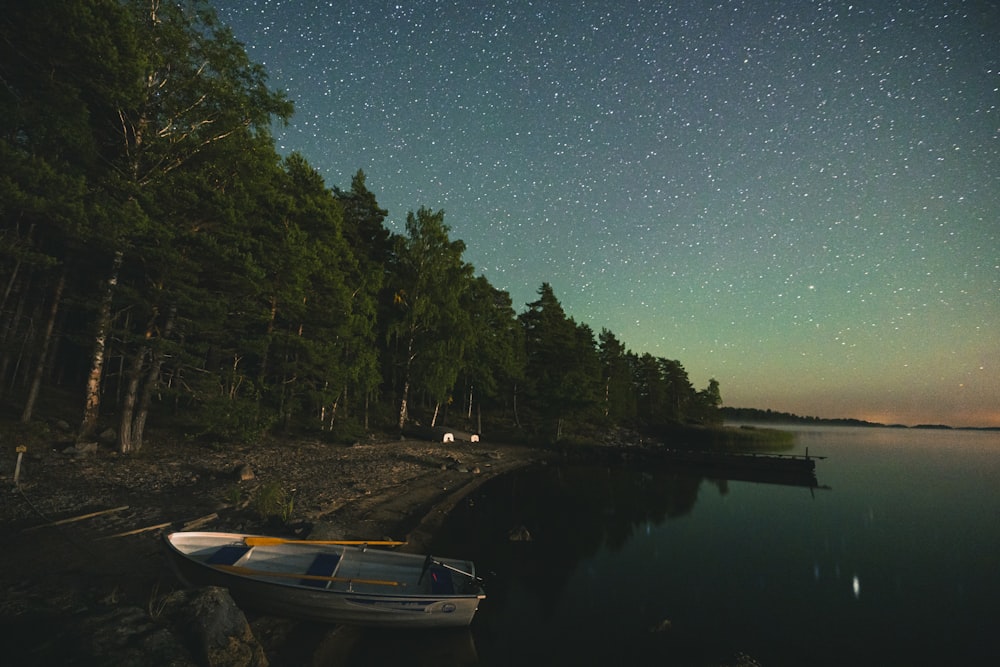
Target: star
(797, 199)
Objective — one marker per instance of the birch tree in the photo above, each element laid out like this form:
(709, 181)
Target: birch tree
(494, 361)
(61, 75)
(430, 328)
(618, 390)
(197, 92)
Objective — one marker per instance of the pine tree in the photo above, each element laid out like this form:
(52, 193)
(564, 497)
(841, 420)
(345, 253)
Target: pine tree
(563, 370)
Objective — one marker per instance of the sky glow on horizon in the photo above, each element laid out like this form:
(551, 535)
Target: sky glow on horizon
(799, 199)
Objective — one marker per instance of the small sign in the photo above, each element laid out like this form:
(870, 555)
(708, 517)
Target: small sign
(21, 449)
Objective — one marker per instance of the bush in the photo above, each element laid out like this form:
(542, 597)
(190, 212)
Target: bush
(237, 420)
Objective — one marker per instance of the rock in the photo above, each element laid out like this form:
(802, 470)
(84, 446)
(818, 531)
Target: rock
(128, 637)
(663, 626)
(108, 436)
(519, 534)
(214, 628)
(741, 659)
(81, 448)
(325, 530)
(243, 472)
(62, 425)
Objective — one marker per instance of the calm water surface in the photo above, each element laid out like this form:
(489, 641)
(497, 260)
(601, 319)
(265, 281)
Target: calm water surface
(895, 562)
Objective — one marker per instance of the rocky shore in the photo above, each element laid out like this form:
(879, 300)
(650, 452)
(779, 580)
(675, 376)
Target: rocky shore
(83, 573)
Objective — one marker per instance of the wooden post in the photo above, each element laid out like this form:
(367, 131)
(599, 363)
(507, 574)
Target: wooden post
(21, 449)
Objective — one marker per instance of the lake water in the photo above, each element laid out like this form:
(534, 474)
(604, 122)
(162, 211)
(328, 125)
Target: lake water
(895, 560)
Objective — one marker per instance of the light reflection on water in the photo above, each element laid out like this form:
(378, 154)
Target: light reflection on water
(895, 563)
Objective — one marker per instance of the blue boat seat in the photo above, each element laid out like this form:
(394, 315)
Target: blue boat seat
(228, 554)
(322, 566)
(442, 583)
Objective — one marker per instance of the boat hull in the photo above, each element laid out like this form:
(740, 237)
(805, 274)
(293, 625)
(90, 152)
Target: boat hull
(352, 601)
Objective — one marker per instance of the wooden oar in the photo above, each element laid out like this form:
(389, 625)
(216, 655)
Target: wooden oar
(454, 569)
(254, 541)
(251, 572)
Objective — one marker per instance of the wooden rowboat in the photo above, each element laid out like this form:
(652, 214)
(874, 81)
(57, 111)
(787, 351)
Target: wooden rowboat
(330, 581)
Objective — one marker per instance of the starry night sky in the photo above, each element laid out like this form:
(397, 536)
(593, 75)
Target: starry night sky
(799, 199)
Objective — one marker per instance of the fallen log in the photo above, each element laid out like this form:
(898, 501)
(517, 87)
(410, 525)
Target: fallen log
(73, 519)
(201, 521)
(193, 523)
(144, 529)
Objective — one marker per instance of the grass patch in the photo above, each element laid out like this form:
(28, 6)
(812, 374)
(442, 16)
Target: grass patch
(271, 500)
(234, 495)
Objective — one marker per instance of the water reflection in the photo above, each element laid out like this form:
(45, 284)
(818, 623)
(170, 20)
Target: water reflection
(895, 566)
(576, 509)
(575, 580)
(368, 646)
(580, 509)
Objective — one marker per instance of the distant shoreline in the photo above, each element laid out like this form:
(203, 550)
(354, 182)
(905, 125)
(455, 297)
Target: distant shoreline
(773, 418)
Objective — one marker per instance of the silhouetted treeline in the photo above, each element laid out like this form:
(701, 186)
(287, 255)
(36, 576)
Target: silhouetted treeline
(731, 414)
(161, 261)
(737, 415)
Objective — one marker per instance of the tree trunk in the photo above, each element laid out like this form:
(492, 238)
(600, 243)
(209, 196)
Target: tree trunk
(36, 381)
(92, 405)
(517, 422)
(28, 342)
(333, 413)
(437, 407)
(150, 384)
(402, 405)
(11, 330)
(13, 274)
(406, 383)
(268, 332)
(126, 439)
(366, 410)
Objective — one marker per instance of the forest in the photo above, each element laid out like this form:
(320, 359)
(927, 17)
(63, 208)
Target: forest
(161, 263)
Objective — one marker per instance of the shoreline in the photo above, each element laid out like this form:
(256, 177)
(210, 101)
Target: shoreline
(106, 553)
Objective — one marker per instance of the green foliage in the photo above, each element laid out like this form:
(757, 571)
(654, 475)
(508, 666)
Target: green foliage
(233, 495)
(619, 398)
(270, 500)
(430, 328)
(348, 432)
(212, 278)
(240, 420)
(563, 368)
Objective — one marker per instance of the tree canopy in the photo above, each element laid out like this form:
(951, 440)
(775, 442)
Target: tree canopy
(160, 260)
